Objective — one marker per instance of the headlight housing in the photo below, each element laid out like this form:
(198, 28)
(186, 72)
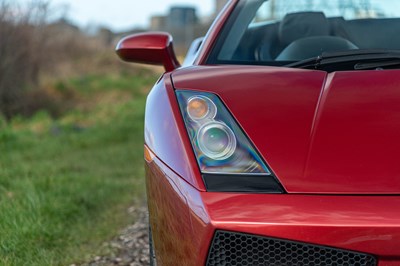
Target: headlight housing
(227, 159)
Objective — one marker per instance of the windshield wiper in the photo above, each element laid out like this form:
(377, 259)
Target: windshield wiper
(377, 65)
(358, 59)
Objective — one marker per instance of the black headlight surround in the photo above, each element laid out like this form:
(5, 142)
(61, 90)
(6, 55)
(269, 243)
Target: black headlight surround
(242, 183)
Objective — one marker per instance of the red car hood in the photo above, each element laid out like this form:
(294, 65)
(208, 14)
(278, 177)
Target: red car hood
(320, 133)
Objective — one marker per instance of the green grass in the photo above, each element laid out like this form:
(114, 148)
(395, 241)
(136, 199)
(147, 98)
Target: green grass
(65, 184)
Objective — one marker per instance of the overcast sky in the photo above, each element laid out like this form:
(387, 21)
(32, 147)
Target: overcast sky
(124, 14)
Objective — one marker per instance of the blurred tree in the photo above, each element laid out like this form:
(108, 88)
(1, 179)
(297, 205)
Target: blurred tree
(22, 51)
(34, 44)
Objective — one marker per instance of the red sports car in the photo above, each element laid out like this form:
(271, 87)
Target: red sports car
(278, 141)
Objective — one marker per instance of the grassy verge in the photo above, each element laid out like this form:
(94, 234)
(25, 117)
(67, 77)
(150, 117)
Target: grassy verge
(65, 183)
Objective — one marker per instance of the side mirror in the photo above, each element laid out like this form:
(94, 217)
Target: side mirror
(149, 48)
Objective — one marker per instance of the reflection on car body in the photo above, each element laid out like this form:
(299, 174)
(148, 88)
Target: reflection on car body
(277, 142)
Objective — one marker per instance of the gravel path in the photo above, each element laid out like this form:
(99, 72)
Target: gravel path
(131, 247)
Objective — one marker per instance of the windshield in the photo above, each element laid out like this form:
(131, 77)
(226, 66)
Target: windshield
(278, 32)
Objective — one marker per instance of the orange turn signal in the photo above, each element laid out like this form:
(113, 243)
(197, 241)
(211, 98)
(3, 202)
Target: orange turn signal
(197, 108)
(148, 154)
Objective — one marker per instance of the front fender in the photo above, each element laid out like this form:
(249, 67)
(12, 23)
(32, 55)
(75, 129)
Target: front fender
(165, 133)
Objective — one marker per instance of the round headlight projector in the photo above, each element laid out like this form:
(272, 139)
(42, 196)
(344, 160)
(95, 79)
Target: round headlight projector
(216, 140)
(200, 108)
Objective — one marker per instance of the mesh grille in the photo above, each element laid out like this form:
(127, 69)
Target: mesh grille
(240, 249)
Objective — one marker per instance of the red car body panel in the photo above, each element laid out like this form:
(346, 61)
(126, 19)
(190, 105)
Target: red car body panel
(165, 133)
(184, 219)
(320, 133)
(330, 139)
(181, 235)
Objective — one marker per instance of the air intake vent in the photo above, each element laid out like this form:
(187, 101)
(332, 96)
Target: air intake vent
(230, 248)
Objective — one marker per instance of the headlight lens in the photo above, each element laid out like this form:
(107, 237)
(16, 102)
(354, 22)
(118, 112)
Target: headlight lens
(200, 108)
(219, 143)
(216, 140)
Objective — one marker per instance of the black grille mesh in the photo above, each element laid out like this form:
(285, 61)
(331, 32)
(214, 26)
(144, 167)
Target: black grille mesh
(230, 248)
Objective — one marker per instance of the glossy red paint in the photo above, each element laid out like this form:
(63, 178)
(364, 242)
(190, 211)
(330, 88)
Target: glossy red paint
(355, 138)
(181, 228)
(149, 48)
(331, 134)
(186, 219)
(320, 133)
(360, 223)
(165, 133)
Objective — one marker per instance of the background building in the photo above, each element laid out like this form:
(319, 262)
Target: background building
(158, 23)
(181, 16)
(184, 24)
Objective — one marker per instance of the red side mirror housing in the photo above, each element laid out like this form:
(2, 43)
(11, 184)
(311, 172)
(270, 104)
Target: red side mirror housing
(153, 48)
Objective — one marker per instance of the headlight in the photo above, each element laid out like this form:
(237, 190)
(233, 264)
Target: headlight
(216, 140)
(222, 149)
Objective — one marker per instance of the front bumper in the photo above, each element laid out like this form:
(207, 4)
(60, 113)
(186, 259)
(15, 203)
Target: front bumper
(184, 220)
(232, 248)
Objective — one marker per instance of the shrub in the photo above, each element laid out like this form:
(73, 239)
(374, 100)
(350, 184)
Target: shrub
(31, 48)
(22, 51)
